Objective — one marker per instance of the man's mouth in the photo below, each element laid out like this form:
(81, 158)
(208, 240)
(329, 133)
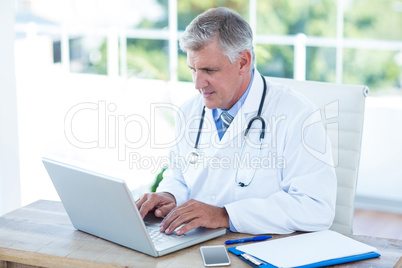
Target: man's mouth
(207, 94)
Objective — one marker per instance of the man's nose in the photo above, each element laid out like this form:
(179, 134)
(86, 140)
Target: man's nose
(200, 80)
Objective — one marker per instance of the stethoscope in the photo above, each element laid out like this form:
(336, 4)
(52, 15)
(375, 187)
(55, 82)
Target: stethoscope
(194, 156)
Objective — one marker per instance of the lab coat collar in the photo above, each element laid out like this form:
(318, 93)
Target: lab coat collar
(248, 110)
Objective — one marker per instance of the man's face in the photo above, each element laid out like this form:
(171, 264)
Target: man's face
(220, 82)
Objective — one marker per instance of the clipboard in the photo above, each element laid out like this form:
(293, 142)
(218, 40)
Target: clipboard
(242, 255)
(317, 249)
(265, 264)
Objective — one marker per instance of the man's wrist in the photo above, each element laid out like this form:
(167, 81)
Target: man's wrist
(169, 195)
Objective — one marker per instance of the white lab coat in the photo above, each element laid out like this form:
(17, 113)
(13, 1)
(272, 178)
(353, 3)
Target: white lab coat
(291, 190)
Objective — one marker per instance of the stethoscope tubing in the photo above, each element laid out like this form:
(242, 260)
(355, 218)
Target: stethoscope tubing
(200, 128)
(194, 155)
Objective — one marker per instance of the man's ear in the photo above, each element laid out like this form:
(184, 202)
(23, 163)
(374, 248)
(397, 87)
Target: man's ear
(245, 61)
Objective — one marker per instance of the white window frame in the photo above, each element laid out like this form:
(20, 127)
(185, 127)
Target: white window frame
(117, 41)
(300, 42)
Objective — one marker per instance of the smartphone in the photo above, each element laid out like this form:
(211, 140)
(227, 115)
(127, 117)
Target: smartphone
(215, 255)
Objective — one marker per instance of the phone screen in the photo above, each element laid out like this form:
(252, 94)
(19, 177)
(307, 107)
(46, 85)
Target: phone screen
(215, 255)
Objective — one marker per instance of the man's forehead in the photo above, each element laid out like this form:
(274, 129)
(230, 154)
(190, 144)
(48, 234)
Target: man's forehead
(203, 62)
(206, 57)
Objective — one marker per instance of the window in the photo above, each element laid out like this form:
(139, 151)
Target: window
(286, 17)
(376, 21)
(335, 32)
(92, 51)
(275, 60)
(375, 67)
(147, 58)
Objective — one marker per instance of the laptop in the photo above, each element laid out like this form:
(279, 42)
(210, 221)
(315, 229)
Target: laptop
(103, 206)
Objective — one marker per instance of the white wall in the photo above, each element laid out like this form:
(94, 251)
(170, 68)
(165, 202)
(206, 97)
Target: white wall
(10, 193)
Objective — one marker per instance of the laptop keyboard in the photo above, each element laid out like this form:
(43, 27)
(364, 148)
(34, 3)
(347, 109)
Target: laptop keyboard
(158, 237)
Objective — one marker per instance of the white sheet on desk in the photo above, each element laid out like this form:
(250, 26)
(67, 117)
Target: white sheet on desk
(306, 248)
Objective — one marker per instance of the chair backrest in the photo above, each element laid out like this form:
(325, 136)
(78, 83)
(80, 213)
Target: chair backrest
(342, 112)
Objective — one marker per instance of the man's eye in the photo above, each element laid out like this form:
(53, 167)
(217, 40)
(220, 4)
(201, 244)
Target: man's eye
(209, 71)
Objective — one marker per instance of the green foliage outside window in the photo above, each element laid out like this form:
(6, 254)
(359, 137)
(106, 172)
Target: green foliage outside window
(100, 67)
(183, 72)
(147, 59)
(273, 60)
(287, 17)
(188, 9)
(374, 19)
(377, 19)
(375, 68)
(381, 70)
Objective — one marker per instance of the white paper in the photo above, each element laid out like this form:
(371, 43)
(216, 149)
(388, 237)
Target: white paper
(306, 248)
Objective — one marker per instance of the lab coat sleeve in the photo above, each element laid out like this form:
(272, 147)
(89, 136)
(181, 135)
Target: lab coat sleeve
(173, 181)
(306, 201)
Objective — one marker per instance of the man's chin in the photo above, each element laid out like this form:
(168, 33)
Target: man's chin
(210, 104)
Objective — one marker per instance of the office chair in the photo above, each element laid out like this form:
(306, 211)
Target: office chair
(342, 112)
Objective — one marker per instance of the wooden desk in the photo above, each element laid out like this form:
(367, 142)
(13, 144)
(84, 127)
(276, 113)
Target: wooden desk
(41, 235)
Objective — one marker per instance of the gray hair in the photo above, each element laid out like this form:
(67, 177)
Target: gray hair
(234, 33)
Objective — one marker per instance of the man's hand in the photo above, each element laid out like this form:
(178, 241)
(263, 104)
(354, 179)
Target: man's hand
(194, 214)
(161, 203)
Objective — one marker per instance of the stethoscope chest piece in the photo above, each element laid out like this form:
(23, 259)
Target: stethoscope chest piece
(241, 184)
(192, 157)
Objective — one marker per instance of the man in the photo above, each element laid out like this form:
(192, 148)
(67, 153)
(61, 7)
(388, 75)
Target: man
(286, 189)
